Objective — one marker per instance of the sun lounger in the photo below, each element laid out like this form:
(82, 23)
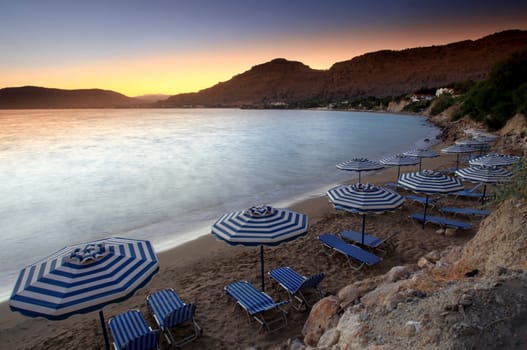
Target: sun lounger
(421, 200)
(350, 251)
(369, 240)
(130, 332)
(443, 222)
(465, 211)
(297, 285)
(170, 312)
(471, 193)
(257, 303)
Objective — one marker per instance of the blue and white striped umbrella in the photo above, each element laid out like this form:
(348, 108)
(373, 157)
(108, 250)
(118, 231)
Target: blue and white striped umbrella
(457, 150)
(400, 160)
(364, 198)
(259, 226)
(421, 153)
(359, 165)
(485, 175)
(494, 159)
(84, 278)
(430, 182)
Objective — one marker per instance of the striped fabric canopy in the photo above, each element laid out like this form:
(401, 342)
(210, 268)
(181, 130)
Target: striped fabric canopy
(484, 174)
(494, 159)
(359, 165)
(364, 198)
(422, 153)
(400, 160)
(259, 226)
(457, 150)
(83, 278)
(430, 182)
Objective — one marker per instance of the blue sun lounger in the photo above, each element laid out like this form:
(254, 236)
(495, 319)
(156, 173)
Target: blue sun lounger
(465, 211)
(471, 193)
(421, 200)
(297, 285)
(443, 222)
(169, 312)
(350, 251)
(130, 332)
(256, 303)
(369, 240)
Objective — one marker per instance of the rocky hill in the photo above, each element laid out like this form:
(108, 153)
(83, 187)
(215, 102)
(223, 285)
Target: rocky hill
(39, 97)
(382, 73)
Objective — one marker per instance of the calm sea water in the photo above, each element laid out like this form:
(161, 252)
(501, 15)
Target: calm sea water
(70, 176)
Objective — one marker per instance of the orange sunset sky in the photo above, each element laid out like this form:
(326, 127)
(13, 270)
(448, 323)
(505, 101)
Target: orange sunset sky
(145, 47)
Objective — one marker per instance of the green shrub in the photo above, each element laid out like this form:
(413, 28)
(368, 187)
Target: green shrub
(441, 103)
(517, 188)
(501, 96)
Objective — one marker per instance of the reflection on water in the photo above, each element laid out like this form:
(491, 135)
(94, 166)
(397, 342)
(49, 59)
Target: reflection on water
(70, 176)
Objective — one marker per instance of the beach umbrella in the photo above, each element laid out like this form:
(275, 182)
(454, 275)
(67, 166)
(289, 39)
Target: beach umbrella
(457, 150)
(84, 278)
(364, 198)
(485, 175)
(494, 159)
(259, 226)
(359, 165)
(399, 160)
(430, 182)
(421, 153)
(477, 144)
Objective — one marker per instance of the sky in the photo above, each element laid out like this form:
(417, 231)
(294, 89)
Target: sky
(138, 47)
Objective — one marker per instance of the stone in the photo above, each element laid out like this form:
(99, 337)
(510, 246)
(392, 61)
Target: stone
(412, 328)
(397, 273)
(295, 344)
(441, 231)
(424, 263)
(352, 331)
(329, 338)
(450, 232)
(433, 256)
(348, 295)
(319, 318)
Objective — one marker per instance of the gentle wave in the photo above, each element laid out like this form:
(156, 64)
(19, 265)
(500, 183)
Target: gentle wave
(72, 176)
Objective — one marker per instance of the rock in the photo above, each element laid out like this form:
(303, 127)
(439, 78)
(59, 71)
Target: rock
(352, 331)
(450, 232)
(318, 319)
(441, 231)
(433, 256)
(295, 344)
(348, 295)
(412, 328)
(465, 300)
(397, 273)
(424, 263)
(329, 338)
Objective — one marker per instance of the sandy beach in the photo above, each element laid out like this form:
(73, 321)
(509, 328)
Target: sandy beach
(198, 271)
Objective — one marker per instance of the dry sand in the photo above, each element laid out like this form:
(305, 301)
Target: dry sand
(198, 271)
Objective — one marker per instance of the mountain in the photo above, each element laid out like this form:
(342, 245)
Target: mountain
(39, 97)
(276, 81)
(381, 73)
(150, 98)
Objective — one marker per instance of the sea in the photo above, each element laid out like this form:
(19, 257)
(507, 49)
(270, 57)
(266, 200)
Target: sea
(76, 175)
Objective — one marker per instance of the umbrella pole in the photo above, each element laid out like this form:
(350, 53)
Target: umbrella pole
(398, 172)
(363, 226)
(457, 161)
(262, 267)
(104, 332)
(359, 176)
(424, 216)
(420, 163)
(484, 191)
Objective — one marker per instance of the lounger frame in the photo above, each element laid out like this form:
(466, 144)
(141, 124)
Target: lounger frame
(357, 257)
(298, 286)
(170, 313)
(258, 305)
